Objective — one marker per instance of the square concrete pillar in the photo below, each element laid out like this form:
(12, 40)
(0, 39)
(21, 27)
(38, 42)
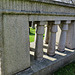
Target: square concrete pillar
(15, 54)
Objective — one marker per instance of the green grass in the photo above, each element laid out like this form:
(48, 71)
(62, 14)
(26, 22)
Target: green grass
(32, 35)
(67, 70)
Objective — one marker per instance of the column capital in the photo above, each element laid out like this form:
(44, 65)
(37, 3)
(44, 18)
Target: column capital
(65, 27)
(54, 28)
(43, 23)
(67, 22)
(40, 29)
(57, 22)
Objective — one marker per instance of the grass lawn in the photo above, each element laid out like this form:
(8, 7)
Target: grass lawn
(32, 34)
(67, 70)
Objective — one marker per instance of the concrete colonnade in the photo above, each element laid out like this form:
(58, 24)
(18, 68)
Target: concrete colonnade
(50, 37)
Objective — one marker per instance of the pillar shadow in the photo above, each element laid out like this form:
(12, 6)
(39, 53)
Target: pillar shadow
(32, 49)
(45, 46)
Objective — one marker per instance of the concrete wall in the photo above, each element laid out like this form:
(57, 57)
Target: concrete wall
(34, 6)
(15, 29)
(15, 54)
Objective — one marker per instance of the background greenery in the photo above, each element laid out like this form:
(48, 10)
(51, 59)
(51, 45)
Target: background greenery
(32, 34)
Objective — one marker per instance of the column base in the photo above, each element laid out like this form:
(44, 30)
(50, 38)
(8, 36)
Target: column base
(51, 55)
(60, 50)
(39, 59)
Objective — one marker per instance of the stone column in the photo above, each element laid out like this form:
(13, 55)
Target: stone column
(62, 41)
(52, 40)
(47, 33)
(39, 41)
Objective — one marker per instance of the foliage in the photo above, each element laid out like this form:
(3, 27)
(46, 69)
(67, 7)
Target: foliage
(32, 34)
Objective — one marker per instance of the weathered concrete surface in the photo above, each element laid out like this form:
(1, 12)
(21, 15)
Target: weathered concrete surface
(37, 6)
(49, 64)
(52, 39)
(70, 43)
(43, 10)
(15, 54)
(39, 41)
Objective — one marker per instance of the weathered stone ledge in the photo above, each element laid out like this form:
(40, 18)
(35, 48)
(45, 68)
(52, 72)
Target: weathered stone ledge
(46, 67)
(36, 12)
(49, 64)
